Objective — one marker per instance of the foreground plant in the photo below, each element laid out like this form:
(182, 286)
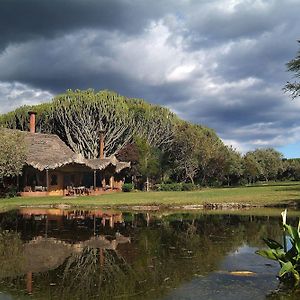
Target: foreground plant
(287, 256)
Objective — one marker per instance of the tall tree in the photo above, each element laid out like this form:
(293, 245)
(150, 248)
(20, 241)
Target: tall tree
(233, 169)
(12, 153)
(78, 116)
(197, 152)
(154, 123)
(269, 162)
(186, 150)
(251, 167)
(81, 115)
(294, 66)
(148, 160)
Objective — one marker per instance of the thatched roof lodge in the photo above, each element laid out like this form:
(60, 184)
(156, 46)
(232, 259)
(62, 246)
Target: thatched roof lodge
(52, 168)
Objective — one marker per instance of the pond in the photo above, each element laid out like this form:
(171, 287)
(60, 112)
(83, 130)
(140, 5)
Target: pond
(98, 254)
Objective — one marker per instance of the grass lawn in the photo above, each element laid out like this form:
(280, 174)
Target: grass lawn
(264, 195)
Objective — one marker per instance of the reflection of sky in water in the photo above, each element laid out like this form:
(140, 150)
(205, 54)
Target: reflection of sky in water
(222, 285)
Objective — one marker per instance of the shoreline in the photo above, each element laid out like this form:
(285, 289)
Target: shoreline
(160, 207)
(280, 195)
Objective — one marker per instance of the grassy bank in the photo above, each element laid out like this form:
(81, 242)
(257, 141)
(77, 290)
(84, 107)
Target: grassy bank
(264, 195)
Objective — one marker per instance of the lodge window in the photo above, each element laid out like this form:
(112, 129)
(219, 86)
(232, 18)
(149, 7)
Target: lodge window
(53, 180)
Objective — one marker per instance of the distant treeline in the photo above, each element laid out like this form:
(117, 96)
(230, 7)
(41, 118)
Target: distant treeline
(161, 147)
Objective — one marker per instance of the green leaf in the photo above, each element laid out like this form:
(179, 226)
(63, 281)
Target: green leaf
(294, 234)
(286, 268)
(292, 231)
(273, 244)
(270, 254)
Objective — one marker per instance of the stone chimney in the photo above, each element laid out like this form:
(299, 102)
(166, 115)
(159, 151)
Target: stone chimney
(101, 140)
(32, 121)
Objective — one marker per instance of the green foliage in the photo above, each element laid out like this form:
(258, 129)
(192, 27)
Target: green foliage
(127, 187)
(289, 259)
(158, 144)
(169, 187)
(294, 66)
(148, 158)
(263, 163)
(11, 253)
(189, 187)
(291, 170)
(12, 153)
(78, 116)
(176, 187)
(233, 167)
(197, 153)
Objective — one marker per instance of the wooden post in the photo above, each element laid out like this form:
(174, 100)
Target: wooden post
(47, 181)
(29, 282)
(111, 182)
(103, 182)
(111, 222)
(95, 177)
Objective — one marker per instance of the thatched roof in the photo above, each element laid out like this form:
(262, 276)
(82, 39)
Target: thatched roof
(121, 166)
(48, 151)
(99, 164)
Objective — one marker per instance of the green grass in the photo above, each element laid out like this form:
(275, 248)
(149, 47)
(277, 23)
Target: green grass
(263, 195)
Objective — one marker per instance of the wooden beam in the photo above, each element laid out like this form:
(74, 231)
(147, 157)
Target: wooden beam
(111, 182)
(103, 182)
(95, 180)
(47, 181)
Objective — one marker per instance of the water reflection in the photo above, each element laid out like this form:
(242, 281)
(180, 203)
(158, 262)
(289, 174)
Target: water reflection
(86, 254)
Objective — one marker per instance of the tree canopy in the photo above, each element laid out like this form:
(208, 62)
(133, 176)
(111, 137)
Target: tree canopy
(12, 153)
(294, 66)
(161, 147)
(77, 117)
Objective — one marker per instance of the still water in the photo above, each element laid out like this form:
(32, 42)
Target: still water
(97, 254)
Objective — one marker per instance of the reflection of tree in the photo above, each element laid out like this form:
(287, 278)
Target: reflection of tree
(11, 254)
(167, 253)
(86, 273)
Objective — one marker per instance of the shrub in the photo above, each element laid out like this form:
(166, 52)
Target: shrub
(8, 192)
(127, 187)
(169, 187)
(189, 187)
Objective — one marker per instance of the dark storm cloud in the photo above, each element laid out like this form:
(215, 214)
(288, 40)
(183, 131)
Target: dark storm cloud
(217, 63)
(30, 19)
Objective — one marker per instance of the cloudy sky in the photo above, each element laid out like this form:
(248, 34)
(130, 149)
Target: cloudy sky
(220, 63)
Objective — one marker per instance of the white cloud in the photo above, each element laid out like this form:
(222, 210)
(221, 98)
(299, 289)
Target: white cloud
(217, 63)
(13, 95)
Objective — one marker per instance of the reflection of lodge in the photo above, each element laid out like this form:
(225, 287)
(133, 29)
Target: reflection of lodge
(52, 168)
(43, 253)
(54, 214)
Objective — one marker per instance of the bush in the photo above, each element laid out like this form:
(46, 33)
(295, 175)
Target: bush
(127, 187)
(8, 192)
(169, 187)
(189, 187)
(176, 187)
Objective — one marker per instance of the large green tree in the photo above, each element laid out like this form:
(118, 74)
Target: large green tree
(148, 161)
(77, 117)
(197, 153)
(294, 66)
(12, 153)
(232, 169)
(267, 163)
